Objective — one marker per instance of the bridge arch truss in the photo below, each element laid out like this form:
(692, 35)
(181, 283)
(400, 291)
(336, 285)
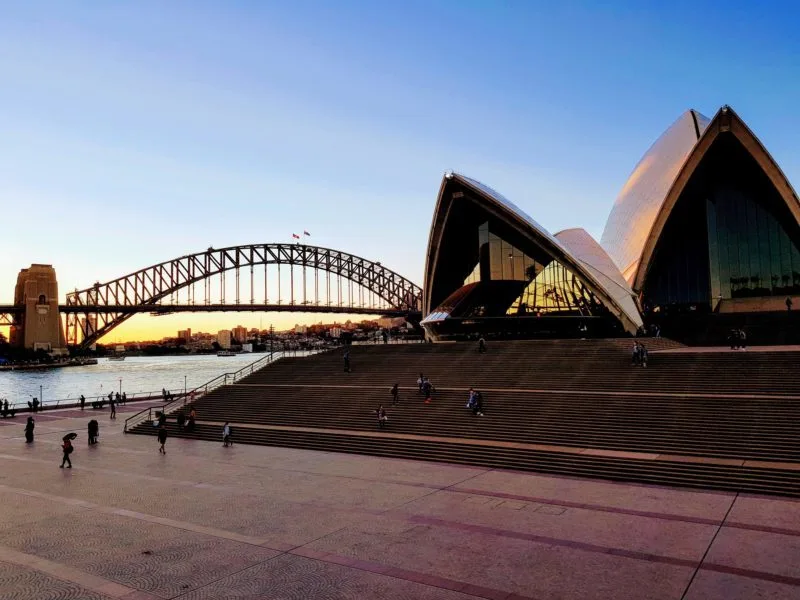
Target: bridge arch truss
(318, 280)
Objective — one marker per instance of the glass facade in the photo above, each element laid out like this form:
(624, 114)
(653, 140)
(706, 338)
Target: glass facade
(500, 261)
(751, 254)
(555, 290)
(551, 288)
(729, 236)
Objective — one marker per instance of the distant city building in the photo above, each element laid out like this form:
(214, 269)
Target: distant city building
(301, 329)
(185, 335)
(390, 322)
(239, 334)
(335, 332)
(224, 338)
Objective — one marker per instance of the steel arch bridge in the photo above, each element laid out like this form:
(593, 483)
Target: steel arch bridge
(312, 278)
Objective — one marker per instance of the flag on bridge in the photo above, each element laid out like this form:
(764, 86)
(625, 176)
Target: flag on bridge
(295, 236)
(306, 233)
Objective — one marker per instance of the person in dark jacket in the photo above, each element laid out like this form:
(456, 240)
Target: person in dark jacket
(93, 430)
(29, 426)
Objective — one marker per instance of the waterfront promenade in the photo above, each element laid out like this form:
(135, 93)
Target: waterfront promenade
(263, 522)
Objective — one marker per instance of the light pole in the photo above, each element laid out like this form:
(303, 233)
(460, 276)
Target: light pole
(41, 399)
(184, 386)
(120, 386)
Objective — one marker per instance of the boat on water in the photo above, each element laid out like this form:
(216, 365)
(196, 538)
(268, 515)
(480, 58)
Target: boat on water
(226, 353)
(118, 353)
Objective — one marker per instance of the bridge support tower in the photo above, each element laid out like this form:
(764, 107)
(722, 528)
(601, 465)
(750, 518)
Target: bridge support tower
(39, 326)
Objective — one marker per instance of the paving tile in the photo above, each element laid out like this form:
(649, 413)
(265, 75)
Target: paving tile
(293, 577)
(769, 553)
(190, 524)
(19, 582)
(709, 585)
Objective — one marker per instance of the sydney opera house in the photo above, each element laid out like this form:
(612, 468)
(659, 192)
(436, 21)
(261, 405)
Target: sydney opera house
(706, 224)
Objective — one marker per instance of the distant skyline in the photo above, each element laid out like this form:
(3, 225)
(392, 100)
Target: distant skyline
(134, 133)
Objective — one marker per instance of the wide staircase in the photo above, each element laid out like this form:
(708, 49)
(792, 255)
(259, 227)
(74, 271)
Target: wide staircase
(722, 420)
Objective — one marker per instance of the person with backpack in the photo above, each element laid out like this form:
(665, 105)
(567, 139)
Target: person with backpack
(67, 448)
(226, 435)
(162, 438)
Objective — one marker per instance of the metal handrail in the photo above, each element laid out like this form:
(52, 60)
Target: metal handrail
(22, 406)
(217, 382)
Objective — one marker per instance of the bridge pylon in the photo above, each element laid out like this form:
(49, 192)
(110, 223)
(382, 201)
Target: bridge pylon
(38, 325)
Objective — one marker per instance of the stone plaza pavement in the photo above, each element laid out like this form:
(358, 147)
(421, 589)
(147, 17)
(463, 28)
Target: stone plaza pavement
(256, 522)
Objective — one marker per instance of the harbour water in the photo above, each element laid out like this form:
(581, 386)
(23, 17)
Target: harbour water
(134, 375)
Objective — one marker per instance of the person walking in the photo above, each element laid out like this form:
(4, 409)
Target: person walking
(420, 382)
(481, 345)
(226, 435)
(347, 362)
(788, 304)
(67, 448)
(477, 405)
(162, 438)
(113, 406)
(395, 394)
(427, 390)
(29, 427)
(124, 398)
(83, 401)
(181, 419)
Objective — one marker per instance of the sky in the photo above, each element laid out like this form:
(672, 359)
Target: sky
(133, 133)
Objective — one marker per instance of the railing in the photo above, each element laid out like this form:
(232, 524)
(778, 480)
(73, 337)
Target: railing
(23, 406)
(380, 342)
(217, 382)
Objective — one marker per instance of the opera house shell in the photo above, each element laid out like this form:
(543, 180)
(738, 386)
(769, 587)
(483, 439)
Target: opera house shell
(707, 222)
